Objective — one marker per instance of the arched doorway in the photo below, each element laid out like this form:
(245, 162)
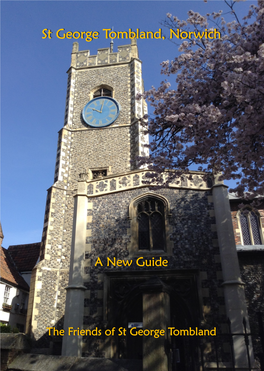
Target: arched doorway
(171, 299)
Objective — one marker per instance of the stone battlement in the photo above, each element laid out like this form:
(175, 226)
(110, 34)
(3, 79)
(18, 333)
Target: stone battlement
(104, 56)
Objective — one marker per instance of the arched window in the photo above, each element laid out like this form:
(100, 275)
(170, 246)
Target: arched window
(150, 216)
(150, 225)
(102, 92)
(250, 226)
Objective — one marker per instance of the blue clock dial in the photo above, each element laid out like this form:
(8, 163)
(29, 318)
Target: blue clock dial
(100, 112)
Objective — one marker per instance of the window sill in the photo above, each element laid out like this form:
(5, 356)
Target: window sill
(250, 248)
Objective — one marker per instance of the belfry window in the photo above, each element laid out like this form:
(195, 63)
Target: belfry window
(151, 226)
(250, 227)
(102, 92)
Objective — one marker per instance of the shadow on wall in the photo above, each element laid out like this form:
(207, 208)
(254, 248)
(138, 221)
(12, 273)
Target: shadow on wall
(50, 343)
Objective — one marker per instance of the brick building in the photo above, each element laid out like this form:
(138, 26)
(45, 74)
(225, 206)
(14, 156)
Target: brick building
(117, 253)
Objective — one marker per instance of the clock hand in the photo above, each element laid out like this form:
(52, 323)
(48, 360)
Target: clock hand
(102, 106)
(96, 110)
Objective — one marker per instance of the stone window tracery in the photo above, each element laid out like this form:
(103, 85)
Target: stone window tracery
(150, 215)
(99, 173)
(250, 226)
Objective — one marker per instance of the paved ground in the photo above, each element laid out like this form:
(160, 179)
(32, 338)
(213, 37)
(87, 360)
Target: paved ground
(39, 362)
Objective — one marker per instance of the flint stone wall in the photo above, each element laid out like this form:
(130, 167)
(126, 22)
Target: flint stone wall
(192, 231)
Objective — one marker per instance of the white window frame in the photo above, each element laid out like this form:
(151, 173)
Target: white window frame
(7, 294)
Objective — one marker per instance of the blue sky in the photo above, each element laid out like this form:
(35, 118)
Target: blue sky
(33, 88)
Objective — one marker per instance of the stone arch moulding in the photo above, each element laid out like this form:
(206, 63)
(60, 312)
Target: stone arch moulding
(134, 244)
(101, 86)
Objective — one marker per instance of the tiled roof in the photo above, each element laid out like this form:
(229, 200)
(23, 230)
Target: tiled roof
(25, 256)
(8, 271)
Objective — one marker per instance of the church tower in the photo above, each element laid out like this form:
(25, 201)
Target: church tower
(98, 145)
(117, 253)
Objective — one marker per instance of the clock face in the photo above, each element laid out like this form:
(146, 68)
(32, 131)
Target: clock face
(100, 112)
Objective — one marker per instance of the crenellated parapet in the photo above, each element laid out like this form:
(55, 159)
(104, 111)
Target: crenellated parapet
(104, 56)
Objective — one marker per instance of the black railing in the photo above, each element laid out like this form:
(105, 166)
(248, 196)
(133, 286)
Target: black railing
(261, 336)
(217, 354)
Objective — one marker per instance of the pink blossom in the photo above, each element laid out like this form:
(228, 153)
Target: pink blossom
(214, 115)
